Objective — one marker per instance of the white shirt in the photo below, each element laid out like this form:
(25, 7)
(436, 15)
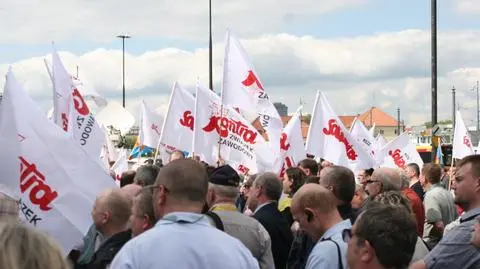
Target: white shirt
(184, 240)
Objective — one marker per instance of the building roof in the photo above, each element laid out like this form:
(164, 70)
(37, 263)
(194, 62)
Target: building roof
(347, 120)
(378, 117)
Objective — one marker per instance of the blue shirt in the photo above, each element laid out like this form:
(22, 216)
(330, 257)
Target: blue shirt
(325, 254)
(184, 240)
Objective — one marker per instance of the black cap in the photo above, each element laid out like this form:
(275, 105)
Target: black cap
(225, 175)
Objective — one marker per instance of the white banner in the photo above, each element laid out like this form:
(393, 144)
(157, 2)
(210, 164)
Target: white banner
(150, 127)
(59, 182)
(400, 152)
(462, 144)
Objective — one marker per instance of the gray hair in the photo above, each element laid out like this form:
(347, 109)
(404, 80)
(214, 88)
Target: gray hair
(404, 180)
(225, 191)
(271, 185)
(146, 175)
(389, 178)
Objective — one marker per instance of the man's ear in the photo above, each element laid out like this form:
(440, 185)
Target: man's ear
(367, 252)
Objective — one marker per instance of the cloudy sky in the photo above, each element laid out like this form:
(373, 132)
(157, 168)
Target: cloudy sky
(361, 52)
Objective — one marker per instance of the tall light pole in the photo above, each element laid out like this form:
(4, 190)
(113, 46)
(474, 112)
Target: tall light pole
(210, 46)
(434, 70)
(478, 108)
(123, 37)
(454, 112)
(398, 120)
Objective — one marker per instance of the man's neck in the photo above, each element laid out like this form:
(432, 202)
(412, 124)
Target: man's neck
(223, 200)
(109, 231)
(473, 205)
(330, 221)
(182, 208)
(413, 180)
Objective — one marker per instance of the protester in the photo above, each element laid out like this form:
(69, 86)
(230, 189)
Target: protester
(383, 237)
(415, 201)
(455, 250)
(440, 208)
(413, 172)
(341, 182)
(360, 198)
(177, 155)
(293, 179)
(398, 199)
(182, 237)
(142, 217)
(27, 248)
(364, 175)
(383, 179)
(244, 191)
(222, 192)
(309, 166)
(263, 201)
(127, 178)
(146, 175)
(315, 209)
(476, 234)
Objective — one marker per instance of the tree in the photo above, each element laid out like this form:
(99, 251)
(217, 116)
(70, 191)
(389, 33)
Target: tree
(428, 124)
(307, 118)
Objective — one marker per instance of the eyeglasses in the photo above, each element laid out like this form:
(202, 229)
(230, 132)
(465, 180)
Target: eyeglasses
(371, 181)
(153, 187)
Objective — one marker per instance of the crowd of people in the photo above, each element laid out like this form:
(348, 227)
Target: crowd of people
(187, 214)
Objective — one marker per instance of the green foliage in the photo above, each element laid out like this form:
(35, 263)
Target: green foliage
(442, 122)
(129, 141)
(307, 118)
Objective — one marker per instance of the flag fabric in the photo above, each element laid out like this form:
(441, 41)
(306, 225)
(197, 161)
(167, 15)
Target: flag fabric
(363, 136)
(221, 130)
(400, 152)
(150, 126)
(42, 169)
(329, 139)
(139, 150)
(72, 113)
(177, 129)
(292, 147)
(462, 143)
(116, 116)
(439, 156)
(240, 77)
(120, 166)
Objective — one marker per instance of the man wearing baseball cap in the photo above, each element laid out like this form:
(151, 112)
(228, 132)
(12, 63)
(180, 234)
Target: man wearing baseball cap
(223, 190)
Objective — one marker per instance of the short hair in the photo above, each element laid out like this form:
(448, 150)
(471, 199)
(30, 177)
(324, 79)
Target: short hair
(186, 180)
(178, 153)
(25, 247)
(432, 172)
(314, 196)
(249, 182)
(309, 164)
(146, 175)
(225, 191)
(404, 180)
(119, 204)
(474, 160)
(271, 185)
(394, 198)
(415, 168)
(312, 179)
(297, 177)
(127, 178)
(391, 231)
(342, 180)
(389, 178)
(144, 204)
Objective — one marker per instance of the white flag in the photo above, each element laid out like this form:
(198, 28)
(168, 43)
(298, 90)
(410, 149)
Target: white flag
(116, 116)
(58, 182)
(292, 147)
(462, 144)
(239, 76)
(120, 166)
(241, 145)
(363, 136)
(71, 108)
(329, 139)
(150, 127)
(400, 152)
(177, 130)
(378, 145)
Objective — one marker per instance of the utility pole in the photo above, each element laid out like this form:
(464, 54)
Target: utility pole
(478, 108)
(398, 121)
(434, 70)
(454, 112)
(123, 37)
(210, 47)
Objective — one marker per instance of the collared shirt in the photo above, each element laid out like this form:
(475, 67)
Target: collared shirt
(439, 206)
(455, 249)
(325, 254)
(184, 240)
(417, 207)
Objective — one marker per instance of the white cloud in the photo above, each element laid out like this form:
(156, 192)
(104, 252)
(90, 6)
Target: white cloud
(42, 21)
(467, 6)
(388, 70)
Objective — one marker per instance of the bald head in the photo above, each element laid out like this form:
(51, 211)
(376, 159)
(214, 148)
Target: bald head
(186, 181)
(389, 178)
(316, 197)
(117, 203)
(177, 155)
(130, 190)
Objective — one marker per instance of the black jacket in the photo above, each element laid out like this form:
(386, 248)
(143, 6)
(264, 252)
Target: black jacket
(107, 251)
(279, 231)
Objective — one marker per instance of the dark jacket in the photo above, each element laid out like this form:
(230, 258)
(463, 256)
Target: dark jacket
(279, 231)
(107, 251)
(301, 247)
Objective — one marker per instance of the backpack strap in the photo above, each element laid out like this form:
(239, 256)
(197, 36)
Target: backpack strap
(216, 219)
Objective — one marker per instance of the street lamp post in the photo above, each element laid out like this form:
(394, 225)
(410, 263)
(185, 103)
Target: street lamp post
(210, 47)
(123, 37)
